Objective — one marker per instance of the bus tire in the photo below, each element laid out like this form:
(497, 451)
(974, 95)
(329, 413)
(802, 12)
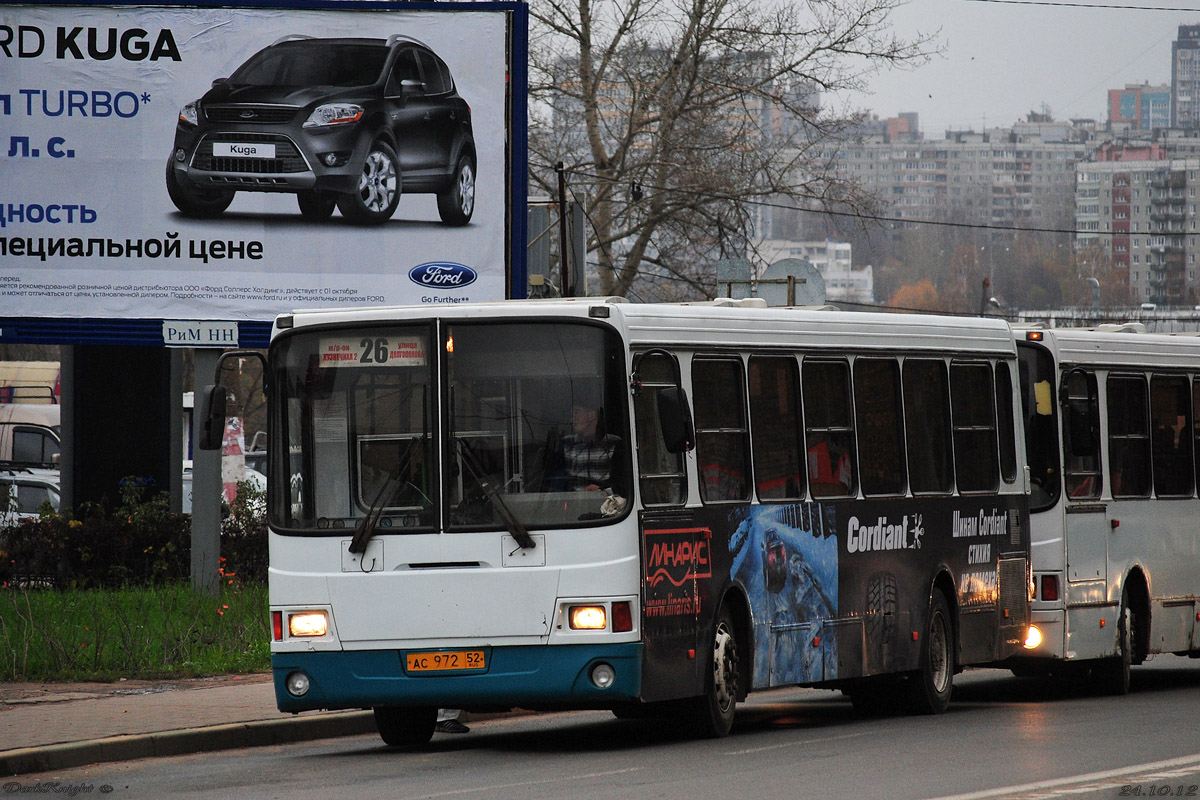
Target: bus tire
(1111, 675)
(928, 691)
(712, 712)
(405, 727)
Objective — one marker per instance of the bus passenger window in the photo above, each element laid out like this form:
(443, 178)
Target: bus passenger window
(1170, 418)
(829, 429)
(1005, 426)
(775, 428)
(974, 423)
(721, 434)
(880, 426)
(662, 478)
(1128, 436)
(1081, 436)
(927, 426)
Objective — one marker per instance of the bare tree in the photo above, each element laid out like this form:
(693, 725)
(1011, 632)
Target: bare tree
(682, 120)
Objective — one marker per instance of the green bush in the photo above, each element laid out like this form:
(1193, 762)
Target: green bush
(138, 543)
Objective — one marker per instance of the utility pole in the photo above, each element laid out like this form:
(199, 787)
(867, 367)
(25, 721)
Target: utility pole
(565, 287)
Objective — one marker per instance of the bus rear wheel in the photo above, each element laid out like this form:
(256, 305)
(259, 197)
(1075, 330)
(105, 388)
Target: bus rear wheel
(405, 727)
(928, 691)
(712, 713)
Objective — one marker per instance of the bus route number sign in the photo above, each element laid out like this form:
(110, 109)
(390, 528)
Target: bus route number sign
(341, 352)
(443, 661)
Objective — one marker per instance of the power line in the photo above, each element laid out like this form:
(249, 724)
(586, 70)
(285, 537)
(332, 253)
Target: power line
(1060, 4)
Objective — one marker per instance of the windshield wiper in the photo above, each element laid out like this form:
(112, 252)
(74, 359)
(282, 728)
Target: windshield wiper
(515, 528)
(366, 526)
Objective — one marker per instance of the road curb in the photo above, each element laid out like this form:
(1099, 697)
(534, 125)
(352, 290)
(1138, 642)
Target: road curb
(182, 742)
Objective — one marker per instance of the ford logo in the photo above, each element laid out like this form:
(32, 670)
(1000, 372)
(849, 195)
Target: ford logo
(248, 115)
(442, 275)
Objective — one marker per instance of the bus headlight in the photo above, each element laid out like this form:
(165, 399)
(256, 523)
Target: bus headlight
(307, 624)
(588, 618)
(1033, 638)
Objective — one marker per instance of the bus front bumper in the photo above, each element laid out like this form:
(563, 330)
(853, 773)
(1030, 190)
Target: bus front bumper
(527, 676)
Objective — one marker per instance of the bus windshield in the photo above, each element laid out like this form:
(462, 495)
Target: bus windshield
(451, 428)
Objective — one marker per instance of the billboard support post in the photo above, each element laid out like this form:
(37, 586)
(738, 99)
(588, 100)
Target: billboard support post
(206, 489)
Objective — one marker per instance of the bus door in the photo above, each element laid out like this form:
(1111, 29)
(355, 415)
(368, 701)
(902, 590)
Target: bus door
(1087, 517)
(676, 546)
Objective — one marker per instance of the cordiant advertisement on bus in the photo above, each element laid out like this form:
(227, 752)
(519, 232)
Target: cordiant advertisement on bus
(234, 163)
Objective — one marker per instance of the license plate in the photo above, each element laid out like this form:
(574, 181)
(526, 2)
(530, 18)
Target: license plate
(243, 150)
(445, 660)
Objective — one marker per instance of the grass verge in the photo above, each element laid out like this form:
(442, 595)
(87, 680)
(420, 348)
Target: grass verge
(156, 632)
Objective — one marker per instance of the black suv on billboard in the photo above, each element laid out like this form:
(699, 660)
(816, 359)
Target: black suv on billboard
(348, 122)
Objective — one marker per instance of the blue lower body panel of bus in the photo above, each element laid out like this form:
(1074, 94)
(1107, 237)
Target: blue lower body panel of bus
(535, 675)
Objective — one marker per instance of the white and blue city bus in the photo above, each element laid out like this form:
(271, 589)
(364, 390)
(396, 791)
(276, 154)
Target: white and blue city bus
(653, 509)
(1113, 445)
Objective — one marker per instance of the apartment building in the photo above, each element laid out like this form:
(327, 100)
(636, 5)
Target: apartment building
(1185, 78)
(1139, 107)
(1142, 214)
(1003, 177)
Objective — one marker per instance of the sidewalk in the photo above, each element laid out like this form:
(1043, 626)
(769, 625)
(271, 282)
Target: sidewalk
(57, 726)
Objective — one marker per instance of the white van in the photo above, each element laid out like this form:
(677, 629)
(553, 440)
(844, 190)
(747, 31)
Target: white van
(29, 433)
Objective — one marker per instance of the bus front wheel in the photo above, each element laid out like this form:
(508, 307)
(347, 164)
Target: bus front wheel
(712, 713)
(929, 689)
(405, 727)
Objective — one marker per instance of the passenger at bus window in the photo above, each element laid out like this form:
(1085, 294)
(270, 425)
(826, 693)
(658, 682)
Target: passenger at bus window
(829, 471)
(589, 452)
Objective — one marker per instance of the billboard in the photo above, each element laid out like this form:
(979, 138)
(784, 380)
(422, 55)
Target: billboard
(234, 163)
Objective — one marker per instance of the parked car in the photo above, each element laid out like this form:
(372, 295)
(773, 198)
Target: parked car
(346, 122)
(23, 490)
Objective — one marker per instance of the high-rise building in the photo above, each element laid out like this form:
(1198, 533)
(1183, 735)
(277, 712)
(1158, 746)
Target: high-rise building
(1017, 176)
(1139, 107)
(1185, 78)
(1143, 214)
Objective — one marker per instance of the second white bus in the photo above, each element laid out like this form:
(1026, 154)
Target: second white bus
(1112, 439)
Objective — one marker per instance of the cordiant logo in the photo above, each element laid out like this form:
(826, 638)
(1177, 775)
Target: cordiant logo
(442, 275)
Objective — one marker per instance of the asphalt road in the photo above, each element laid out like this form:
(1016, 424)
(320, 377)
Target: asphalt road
(1003, 737)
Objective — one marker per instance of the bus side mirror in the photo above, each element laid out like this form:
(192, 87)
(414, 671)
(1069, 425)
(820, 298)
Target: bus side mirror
(674, 420)
(212, 409)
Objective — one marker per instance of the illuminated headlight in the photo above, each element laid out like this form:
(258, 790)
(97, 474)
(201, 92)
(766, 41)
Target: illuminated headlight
(334, 114)
(297, 684)
(190, 113)
(603, 676)
(1033, 638)
(588, 618)
(308, 623)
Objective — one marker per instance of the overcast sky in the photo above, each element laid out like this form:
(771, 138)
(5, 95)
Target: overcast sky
(1002, 59)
